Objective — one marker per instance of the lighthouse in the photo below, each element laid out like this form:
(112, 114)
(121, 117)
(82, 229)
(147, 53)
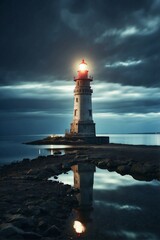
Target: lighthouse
(82, 124)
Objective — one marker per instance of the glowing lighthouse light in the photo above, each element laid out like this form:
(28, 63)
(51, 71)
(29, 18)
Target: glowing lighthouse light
(79, 227)
(83, 66)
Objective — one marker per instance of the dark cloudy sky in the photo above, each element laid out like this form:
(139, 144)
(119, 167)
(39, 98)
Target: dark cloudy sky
(41, 43)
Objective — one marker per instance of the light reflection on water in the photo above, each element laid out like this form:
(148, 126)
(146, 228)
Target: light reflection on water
(123, 208)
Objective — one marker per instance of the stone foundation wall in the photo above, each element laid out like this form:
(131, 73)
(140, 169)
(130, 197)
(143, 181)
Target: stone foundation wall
(83, 128)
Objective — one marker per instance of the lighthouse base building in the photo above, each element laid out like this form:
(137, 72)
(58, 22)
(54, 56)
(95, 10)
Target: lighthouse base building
(83, 129)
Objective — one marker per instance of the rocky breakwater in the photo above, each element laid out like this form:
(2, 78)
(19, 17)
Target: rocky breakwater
(32, 207)
(141, 162)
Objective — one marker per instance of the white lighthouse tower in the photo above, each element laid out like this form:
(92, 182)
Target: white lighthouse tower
(82, 124)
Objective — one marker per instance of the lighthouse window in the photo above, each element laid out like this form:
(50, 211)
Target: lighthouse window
(90, 113)
(76, 99)
(75, 111)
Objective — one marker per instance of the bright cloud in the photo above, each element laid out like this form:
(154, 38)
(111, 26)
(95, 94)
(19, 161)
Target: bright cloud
(124, 64)
(39, 90)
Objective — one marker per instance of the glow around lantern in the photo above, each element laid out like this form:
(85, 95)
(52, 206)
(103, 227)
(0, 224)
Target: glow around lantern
(83, 66)
(79, 227)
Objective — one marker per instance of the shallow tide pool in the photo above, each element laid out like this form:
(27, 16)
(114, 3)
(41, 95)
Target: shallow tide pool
(122, 207)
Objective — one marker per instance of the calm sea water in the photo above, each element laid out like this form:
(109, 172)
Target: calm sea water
(12, 149)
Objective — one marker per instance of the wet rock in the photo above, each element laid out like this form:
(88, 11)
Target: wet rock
(32, 172)
(36, 205)
(40, 211)
(31, 235)
(8, 230)
(111, 165)
(50, 170)
(44, 174)
(51, 205)
(26, 160)
(66, 166)
(52, 231)
(62, 215)
(42, 225)
(123, 169)
(72, 191)
(103, 163)
(136, 168)
(20, 221)
(81, 158)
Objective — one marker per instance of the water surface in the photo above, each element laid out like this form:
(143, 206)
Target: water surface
(123, 208)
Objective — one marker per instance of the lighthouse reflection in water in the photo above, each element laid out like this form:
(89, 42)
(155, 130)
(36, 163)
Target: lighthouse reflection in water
(83, 180)
(123, 208)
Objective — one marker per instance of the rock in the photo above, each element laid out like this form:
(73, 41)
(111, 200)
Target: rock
(9, 230)
(67, 166)
(103, 163)
(50, 170)
(39, 211)
(43, 174)
(42, 225)
(123, 169)
(148, 169)
(72, 191)
(81, 158)
(31, 235)
(136, 168)
(62, 215)
(21, 221)
(52, 231)
(49, 205)
(26, 160)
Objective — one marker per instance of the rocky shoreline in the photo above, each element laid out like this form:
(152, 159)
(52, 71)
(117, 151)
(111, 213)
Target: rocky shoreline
(33, 207)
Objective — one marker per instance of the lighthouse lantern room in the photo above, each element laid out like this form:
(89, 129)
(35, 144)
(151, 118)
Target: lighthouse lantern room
(82, 124)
